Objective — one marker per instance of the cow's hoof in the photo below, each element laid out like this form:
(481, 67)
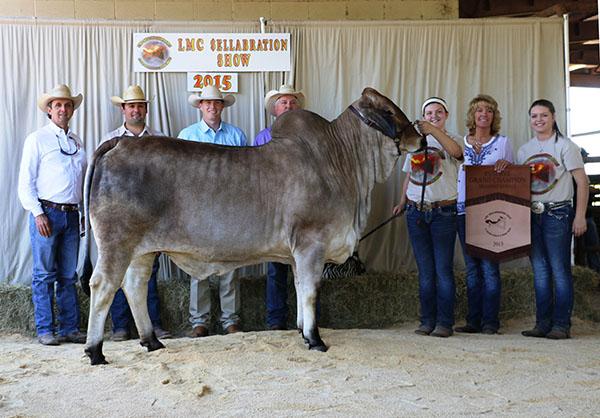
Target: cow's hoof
(322, 348)
(152, 343)
(95, 354)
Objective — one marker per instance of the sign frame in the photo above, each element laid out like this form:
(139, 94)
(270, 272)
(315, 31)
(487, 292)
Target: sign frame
(498, 212)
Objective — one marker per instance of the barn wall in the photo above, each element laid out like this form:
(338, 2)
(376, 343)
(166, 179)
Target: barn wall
(233, 9)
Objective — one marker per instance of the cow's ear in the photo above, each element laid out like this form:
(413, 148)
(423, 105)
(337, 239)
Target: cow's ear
(370, 94)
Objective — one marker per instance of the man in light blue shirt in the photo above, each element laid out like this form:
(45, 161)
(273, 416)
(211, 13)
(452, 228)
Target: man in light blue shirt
(211, 129)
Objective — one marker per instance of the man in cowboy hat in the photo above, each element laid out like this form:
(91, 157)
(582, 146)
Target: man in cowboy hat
(212, 129)
(50, 187)
(277, 102)
(134, 107)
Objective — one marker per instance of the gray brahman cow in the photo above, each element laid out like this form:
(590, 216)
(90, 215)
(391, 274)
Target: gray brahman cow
(301, 199)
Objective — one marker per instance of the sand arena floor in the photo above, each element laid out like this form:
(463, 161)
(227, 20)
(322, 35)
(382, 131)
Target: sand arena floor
(390, 372)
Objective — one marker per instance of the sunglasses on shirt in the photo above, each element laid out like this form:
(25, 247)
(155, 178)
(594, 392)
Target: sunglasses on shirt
(68, 152)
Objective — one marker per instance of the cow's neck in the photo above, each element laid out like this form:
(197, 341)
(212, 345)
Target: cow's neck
(370, 157)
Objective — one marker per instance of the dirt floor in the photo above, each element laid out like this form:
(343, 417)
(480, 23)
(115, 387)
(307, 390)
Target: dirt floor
(390, 372)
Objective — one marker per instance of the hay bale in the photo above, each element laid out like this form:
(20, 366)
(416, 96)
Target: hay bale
(373, 300)
(16, 309)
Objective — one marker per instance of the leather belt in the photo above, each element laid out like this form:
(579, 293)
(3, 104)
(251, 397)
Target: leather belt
(64, 207)
(541, 207)
(427, 206)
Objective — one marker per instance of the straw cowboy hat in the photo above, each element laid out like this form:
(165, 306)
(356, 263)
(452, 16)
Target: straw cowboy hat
(133, 94)
(61, 91)
(285, 90)
(211, 93)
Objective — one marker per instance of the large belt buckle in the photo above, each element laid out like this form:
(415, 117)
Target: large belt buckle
(425, 207)
(537, 207)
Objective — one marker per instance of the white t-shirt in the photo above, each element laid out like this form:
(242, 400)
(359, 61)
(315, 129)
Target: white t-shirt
(551, 162)
(497, 148)
(441, 170)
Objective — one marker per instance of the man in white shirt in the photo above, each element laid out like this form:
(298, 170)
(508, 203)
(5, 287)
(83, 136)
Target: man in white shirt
(50, 187)
(134, 107)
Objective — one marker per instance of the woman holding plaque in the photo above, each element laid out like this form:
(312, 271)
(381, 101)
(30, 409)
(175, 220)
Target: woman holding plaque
(429, 197)
(483, 145)
(555, 161)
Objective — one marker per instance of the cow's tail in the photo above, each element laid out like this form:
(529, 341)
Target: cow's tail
(86, 275)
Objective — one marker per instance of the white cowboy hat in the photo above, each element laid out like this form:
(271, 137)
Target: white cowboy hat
(211, 93)
(61, 91)
(285, 90)
(133, 94)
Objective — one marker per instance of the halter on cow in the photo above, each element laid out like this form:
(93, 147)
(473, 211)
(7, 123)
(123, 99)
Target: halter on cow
(207, 207)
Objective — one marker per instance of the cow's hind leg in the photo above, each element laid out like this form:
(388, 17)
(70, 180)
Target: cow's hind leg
(299, 313)
(309, 266)
(105, 281)
(135, 287)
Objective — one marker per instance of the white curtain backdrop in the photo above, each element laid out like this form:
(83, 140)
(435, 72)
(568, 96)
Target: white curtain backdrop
(514, 60)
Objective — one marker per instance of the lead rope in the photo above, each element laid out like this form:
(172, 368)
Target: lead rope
(424, 176)
(391, 218)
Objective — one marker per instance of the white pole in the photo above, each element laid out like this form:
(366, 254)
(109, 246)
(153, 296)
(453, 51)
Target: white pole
(263, 23)
(567, 79)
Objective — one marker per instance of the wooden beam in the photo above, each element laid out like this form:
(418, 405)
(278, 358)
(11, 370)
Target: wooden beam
(582, 31)
(474, 8)
(584, 80)
(585, 56)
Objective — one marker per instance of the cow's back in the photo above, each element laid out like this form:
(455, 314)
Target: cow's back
(183, 194)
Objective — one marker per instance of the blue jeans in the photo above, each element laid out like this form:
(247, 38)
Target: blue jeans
(551, 236)
(55, 261)
(277, 293)
(483, 287)
(432, 235)
(120, 312)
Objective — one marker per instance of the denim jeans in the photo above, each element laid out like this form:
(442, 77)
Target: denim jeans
(120, 312)
(55, 262)
(277, 294)
(432, 235)
(483, 287)
(551, 236)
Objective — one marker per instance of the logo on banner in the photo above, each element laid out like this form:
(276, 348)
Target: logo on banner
(154, 52)
(497, 223)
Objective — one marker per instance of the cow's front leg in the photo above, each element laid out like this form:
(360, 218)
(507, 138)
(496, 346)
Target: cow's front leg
(135, 287)
(309, 266)
(103, 286)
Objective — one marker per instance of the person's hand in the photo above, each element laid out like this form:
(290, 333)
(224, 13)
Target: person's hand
(425, 127)
(501, 165)
(579, 226)
(399, 208)
(42, 223)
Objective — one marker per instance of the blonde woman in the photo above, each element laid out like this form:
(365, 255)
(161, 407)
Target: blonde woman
(483, 146)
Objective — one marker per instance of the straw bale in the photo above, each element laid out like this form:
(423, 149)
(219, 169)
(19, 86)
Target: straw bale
(373, 300)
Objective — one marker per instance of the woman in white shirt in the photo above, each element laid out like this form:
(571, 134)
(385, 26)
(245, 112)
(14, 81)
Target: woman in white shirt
(555, 162)
(429, 196)
(483, 146)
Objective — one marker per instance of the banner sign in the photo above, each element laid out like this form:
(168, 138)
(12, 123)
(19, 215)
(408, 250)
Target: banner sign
(498, 212)
(211, 52)
(226, 82)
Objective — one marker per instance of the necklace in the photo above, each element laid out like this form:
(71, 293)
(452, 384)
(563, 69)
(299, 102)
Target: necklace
(542, 143)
